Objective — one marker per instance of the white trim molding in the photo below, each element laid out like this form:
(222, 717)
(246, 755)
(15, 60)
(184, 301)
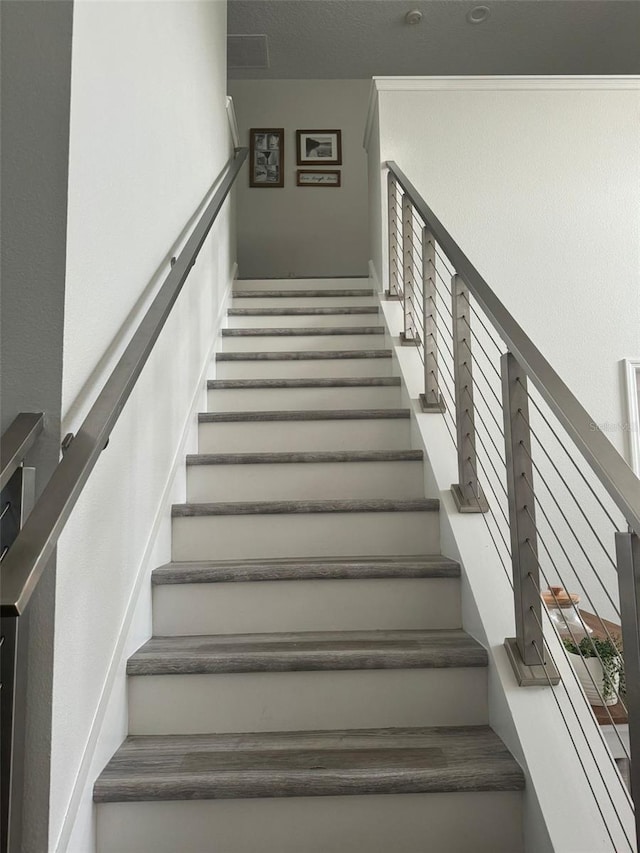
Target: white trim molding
(496, 83)
(632, 381)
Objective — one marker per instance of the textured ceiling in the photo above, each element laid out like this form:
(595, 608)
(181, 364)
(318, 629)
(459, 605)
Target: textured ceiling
(349, 39)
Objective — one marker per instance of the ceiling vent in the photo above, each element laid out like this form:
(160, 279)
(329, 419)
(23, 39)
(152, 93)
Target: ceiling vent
(246, 51)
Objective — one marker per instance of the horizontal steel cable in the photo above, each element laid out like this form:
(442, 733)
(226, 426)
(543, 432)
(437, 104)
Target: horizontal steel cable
(571, 459)
(575, 535)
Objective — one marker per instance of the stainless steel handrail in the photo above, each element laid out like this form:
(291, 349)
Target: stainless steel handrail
(609, 466)
(17, 441)
(28, 557)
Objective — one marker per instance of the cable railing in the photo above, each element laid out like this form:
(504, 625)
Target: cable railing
(26, 556)
(560, 505)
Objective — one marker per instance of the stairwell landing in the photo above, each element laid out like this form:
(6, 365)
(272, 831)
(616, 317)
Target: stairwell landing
(308, 687)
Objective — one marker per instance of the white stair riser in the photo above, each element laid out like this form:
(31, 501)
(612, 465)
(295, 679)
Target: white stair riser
(308, 436)
(485, 822)
(303, 301)
(297, 321)
(241, 285)
(280, 343)
(348, 534)
(306, 701)
(308, 605)
(304, 481)
(298, 399)
(312, 368)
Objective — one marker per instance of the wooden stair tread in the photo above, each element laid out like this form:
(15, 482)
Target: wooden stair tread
(287, 458)
(303, 355)
(279, 294)
(431, 566)
(298, 312)
(302, 331)
(338, 382)
(320, 763)
(307, 651)
(305, 415)
(192, 510)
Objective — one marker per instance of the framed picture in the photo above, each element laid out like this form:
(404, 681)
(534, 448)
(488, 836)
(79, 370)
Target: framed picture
(312, 178)
(319, 146)
(266, 157)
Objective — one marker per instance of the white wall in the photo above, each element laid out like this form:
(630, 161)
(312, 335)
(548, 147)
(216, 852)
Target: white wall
(36, 77)
(537, 180)
(304, 231)
(149, 136)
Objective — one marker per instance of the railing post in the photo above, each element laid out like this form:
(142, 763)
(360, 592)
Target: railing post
(409, 337)
(628, 561)
(13, 672)
(526, 650)
(392, 214)
(467, 493)
(16, 502)
(432, 400)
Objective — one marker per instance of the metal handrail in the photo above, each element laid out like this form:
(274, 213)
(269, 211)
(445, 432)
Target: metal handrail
(603, 458)
(17, 441)
(28, 557)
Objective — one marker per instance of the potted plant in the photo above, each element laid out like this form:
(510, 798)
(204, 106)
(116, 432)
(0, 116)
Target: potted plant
(599, 665)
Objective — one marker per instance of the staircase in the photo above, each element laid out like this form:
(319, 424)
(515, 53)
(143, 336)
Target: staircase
(308, 688)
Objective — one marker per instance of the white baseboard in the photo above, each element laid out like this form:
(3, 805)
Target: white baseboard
(373, 275)
(70, 840)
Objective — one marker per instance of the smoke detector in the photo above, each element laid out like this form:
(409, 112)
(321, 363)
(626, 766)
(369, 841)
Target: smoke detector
(478, 15)
(413, 17)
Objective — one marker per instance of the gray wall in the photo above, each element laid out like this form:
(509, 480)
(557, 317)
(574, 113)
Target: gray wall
(304, 231)
(36, 73)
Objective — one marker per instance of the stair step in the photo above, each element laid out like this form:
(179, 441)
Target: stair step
(335, 382)
(303, 311)
(303, 507)
(362, 392)
(321, 292)
(328, 475)
(310, 458)
(318, 316)
(306, 652)
(242, 571)
(306, 680)
(305, 415)
(312, 595)
(325, 763)
(303, 355)
(301, 364)
(372, 823)
(301, 331)
(303, 338)
(307, 431)
(313, 283)
(293, 299)
(274, 529)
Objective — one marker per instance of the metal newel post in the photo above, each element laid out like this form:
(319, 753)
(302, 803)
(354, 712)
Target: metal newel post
(12, 730)
(467, 493)
(526, 649)
(409, 336)
(628, 561)
(432, 400)
(392, 211)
